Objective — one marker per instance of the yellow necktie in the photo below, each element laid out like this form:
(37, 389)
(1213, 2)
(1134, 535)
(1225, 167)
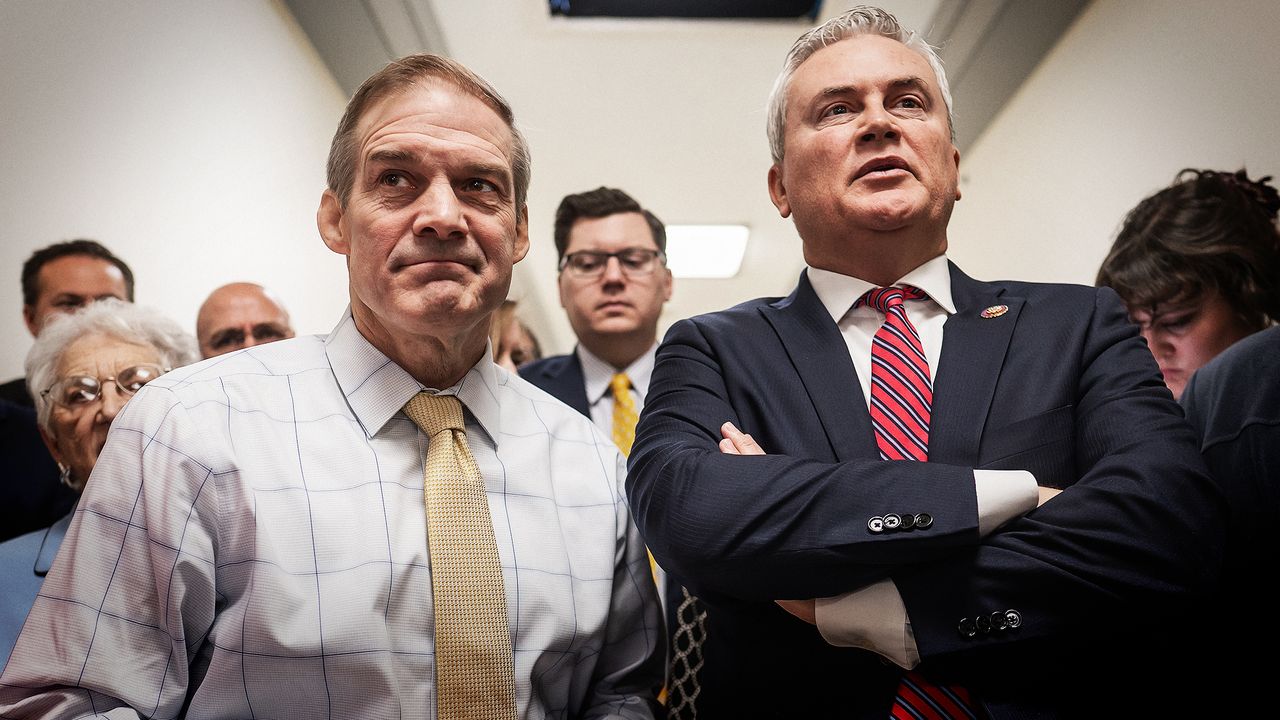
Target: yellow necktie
(475, 672)
(624, 413)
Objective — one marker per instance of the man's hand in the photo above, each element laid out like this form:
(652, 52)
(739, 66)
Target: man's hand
(1045, 494)
(806, 610)
(736, 442)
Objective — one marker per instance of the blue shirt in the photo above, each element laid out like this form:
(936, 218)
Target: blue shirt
(24, 561)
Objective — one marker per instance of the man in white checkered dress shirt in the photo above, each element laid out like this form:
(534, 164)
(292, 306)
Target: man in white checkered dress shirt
(252, 542)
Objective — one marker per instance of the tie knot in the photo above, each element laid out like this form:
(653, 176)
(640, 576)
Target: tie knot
(620, 384)
(435, 413)
(886, 298)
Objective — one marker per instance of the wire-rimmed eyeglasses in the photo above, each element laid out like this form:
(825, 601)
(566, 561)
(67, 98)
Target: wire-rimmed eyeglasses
(80, 390)
(634, 262)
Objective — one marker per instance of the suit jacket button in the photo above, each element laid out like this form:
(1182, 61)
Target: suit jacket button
(908, 521)
(924, 520)
(1014, 617)
(892, 521)
(999, 621)
(983, 623)
(967, 628)
(876, 524)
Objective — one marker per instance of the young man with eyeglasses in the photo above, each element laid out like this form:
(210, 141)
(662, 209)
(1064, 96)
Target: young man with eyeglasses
(613, 282)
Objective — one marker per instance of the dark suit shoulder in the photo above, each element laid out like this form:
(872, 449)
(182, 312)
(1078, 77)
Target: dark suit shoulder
(547, 366)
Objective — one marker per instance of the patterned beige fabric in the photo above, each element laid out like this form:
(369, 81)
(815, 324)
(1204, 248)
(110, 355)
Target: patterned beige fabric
(475, 673)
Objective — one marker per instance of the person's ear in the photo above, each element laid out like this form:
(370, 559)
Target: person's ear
(956, 159)
(522, 236)
(29, 317)
(778, 191)
(52, 443)
(329, 222)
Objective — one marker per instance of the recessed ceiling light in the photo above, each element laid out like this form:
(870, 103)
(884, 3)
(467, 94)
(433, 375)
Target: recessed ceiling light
(706, 251)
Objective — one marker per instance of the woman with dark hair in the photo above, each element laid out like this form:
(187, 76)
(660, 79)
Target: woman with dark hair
(1198, 266)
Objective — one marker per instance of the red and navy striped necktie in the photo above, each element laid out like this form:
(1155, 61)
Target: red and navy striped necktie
(901, 405)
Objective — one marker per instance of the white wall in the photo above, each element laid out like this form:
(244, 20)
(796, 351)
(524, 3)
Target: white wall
(1134, 92)
(189, 137)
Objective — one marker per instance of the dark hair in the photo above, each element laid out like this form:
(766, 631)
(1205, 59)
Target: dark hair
(405, 72)
(598, 203)
(87, 248)
(1208, 231)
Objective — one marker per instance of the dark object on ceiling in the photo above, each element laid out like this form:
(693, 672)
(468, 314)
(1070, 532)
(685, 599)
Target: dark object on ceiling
(717, 9)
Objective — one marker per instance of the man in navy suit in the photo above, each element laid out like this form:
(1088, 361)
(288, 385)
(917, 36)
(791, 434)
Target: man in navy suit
(1062, 512)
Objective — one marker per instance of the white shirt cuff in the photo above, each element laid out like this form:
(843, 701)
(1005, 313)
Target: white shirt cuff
(1002, 496)
(873, 618)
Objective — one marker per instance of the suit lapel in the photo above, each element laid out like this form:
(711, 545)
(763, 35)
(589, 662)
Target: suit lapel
(821, 358)
(973, 354)
(566, 382)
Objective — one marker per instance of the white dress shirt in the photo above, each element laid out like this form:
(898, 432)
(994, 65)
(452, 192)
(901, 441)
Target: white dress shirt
(874, 617)
(253, 539)
(596, 376)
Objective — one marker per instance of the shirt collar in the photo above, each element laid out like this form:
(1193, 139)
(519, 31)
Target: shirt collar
(376, 388)
(838, 292)
(597, 373)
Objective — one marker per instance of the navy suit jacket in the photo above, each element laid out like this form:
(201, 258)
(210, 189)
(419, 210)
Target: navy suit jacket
(1059, 384)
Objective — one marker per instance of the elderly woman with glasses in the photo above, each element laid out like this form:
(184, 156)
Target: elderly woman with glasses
(81, 370)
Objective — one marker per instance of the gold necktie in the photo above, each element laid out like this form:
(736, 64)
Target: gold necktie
(624, 413)
(475, 672)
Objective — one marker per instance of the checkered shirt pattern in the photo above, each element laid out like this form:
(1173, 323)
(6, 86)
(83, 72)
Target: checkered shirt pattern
(252, 544)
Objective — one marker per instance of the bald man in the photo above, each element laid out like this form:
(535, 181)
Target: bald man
(240, 315)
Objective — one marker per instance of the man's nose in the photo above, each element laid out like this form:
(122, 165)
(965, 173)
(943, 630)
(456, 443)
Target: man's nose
(1157, 341)
(877, 124)
(438, 212)
(250, 340)
(613, 271)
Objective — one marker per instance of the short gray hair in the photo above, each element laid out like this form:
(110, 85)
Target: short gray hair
(860, 20)
(124, 321)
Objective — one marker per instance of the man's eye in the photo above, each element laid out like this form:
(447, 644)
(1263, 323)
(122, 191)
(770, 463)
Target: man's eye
(227, 339)
(69, 304)
(393, 179)
(478, 185)
(911, 103)
(838, 110)
(585, 262)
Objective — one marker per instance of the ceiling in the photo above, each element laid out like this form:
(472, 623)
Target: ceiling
(670, 110)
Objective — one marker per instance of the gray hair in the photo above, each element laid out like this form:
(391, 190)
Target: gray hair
(860, 20)
(124, 321)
